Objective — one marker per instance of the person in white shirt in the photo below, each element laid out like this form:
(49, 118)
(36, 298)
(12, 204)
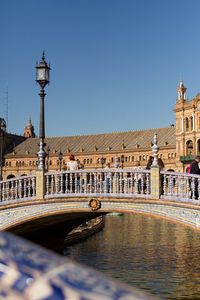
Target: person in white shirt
(72, 165)
(108, 178)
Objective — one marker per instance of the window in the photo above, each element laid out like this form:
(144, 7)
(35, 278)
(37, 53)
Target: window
(9, 163)
(91, 161)
(186, 124)
(50, 162)
(132, 158)
(112, 159)
(169, 155)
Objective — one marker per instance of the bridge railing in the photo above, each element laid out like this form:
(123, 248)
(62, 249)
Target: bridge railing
(21, 188)
(109, 183)
(180, 186)
(112, 182)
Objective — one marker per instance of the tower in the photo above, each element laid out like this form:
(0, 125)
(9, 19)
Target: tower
(29, 130)
(187, 127)
(181, 91)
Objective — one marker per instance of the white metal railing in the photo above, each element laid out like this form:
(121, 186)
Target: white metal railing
(21, 188)
(125, 183)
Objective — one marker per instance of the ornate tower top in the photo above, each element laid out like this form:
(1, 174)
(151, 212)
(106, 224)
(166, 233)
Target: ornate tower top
(29, 130)
(181, 91)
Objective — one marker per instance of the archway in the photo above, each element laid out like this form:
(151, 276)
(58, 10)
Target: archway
(189, 147)
(10, 176)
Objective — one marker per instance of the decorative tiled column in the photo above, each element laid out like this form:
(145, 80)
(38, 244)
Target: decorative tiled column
(155, 171)
(155, 182)
(40, 184)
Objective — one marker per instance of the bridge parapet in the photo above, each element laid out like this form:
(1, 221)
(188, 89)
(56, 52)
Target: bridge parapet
(15, 189)
(111, 183)
(147, 184)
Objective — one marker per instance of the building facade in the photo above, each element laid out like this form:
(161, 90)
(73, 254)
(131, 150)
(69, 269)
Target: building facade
(178, 145)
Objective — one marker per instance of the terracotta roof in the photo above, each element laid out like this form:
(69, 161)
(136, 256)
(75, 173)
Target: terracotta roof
(106, 142)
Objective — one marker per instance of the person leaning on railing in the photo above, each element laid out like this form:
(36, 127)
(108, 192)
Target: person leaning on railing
(194, 169)
(72, 165)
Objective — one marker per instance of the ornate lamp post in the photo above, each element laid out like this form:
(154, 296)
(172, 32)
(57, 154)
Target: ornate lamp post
(2, 129)
(122, 160)
(103, 161)
(60, 157)
(42, 77)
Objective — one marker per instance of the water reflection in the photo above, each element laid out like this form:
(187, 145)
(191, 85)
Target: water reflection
(147, 252)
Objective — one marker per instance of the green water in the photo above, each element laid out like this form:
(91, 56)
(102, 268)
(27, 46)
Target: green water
(149, 253)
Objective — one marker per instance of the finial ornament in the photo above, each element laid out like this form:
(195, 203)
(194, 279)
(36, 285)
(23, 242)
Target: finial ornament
(43, 55)
(155, 150)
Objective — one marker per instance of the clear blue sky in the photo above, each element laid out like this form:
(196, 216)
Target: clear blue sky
(115, 64)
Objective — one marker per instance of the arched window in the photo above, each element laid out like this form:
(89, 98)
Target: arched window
(140, 158)
(169, 155)
(10, 176)
(189, 147)
(198, 146)
(143, 157)
(112, 159)
(191, 123)
(132, 158)
(20, 163)
(186, 124)
(91, 160)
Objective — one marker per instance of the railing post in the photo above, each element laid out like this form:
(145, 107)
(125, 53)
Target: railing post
(155, 172)
(40, 184)
(155, 182)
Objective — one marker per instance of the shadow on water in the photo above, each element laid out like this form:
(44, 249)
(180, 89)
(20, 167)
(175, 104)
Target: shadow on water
(153, 254)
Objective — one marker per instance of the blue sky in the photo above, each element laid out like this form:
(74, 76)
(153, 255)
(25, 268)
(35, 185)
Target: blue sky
(115, 64)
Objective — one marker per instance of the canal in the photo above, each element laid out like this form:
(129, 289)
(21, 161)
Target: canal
(149, 253)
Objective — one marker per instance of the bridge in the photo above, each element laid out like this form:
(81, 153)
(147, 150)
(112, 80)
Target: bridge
(60, 195)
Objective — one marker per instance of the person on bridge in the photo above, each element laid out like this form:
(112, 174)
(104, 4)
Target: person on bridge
(108, 178)
(194, 169)
(72, 165)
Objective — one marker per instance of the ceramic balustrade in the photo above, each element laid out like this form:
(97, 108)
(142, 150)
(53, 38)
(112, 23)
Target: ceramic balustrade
(180, 186)
(22, 188)
(100, 182)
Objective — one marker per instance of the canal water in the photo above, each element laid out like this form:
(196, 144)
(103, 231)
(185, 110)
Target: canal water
(146, 252)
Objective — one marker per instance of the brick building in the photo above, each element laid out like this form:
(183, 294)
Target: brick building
(178, 144)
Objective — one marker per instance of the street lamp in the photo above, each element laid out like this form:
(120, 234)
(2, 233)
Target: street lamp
(122, 160)
(60, 157)
(42, 77)
(2, 129)
(47, 156)
(103, 161)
